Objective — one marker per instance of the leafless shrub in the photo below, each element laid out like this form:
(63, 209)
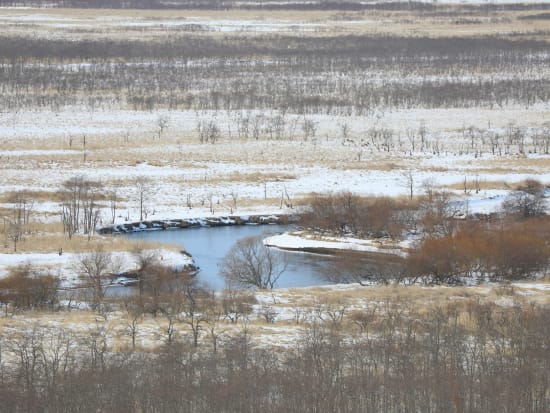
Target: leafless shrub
(527, 201)
(25, 288)
(251, 264)
(80, 209)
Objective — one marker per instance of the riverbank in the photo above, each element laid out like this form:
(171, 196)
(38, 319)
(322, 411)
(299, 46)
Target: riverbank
(311, 242)
(231, 220)
(67, 267)
(64, 264)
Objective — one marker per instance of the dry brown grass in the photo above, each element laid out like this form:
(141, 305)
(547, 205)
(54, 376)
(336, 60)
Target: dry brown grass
(482, 184)
(31, 195)
(391, 293)
(240, 177)
(48, 242)
(518, 163)
(411, 23)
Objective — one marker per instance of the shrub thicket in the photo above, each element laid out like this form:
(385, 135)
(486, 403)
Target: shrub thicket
(466, 358)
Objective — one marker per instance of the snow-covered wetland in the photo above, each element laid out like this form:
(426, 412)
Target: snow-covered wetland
(417, 134)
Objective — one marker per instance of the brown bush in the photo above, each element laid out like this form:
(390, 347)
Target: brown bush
(346, 212)
(503, 250)
(26, 288)
(519, 253)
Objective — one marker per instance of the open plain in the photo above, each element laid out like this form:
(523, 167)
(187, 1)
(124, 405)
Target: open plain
(160, 115)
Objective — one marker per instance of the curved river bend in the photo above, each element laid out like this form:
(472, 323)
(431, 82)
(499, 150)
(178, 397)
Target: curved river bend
(208, 246)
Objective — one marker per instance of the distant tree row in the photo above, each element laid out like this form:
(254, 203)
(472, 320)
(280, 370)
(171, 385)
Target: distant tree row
(296, 74)
(346, 5)
(365, 49)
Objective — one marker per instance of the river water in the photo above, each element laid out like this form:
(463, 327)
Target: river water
(208, 246)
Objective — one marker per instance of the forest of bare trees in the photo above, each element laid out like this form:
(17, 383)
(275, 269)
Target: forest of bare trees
(464, 357)
(294, 74)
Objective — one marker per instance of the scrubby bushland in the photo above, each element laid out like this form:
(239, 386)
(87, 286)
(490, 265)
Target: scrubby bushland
(467, 357)
(509, 251)
(527, 201)
(25, 288)
(290, 73)
(348, 213)
(512, 245)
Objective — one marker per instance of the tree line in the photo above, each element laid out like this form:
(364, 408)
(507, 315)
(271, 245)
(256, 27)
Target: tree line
(293, 73)
(347, 5)
(466, 357)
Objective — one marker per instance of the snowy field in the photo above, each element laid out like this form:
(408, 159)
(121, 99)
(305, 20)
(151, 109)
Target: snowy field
(375, 154)
(37, 156)
(134, 125)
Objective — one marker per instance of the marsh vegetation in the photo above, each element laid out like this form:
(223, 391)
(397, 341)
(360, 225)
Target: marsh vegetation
(421, 127)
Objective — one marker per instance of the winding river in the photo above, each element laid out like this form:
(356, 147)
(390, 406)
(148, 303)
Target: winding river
(208, 246)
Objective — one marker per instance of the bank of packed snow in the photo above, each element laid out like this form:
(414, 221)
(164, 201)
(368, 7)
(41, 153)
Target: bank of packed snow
(526, 286)
(65, 266)
(300, 241)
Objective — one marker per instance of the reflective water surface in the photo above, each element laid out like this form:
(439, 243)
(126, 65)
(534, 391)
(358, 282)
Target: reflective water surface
(208, 246)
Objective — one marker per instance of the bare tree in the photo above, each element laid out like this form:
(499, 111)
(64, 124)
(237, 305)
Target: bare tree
(194, 300)
(422, 132)
(134, 312)
(236, 304)
(251, 264)
(438, 211)
(234, 198)
(91, 211)
(79, 205)
(162, 124)
(257, 122)
(21, 207)
(94, 266)
(208, 131)
(344, 130)
(15, 233)
(147, 263)
(411, 136)
(213, 312)
(171, 307)
(71, 204)
(113, 203)
(143, 189)
(408, 180)
(309, 128)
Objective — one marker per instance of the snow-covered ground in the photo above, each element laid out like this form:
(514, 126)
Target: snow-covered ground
(66, 266)
(39, 155)
(41, 148)
(189, 180)
(301, 241)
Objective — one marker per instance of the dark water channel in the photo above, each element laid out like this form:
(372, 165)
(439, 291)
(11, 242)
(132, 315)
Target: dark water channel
(208, 246)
